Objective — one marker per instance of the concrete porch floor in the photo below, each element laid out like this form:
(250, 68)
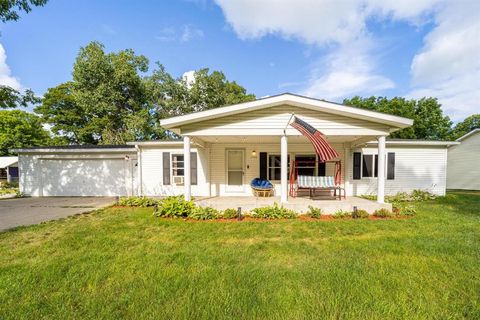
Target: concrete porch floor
(299, 204)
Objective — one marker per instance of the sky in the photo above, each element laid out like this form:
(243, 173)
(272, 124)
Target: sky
(325, 49)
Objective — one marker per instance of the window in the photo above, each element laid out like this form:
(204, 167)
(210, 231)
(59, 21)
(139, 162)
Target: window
(367, 166)
(306, 165)
(3, 173)
(274, 166)
(177, 165)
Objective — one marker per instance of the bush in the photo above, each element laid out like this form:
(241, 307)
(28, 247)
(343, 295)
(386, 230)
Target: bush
(137, 201)
(383, 213)
(204, 213)
(415, 195)
(422, 195)
(339, 214)
(314, 212)
(230, 213)
(407, 210)
(362, 214)
(175, 207)
(273, 212)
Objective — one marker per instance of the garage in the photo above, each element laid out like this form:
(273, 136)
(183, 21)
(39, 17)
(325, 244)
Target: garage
(78, 171)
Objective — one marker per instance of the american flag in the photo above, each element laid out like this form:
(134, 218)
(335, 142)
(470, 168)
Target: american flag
(324, 151)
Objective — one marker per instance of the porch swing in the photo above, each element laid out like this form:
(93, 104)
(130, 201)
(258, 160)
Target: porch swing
(312, 183)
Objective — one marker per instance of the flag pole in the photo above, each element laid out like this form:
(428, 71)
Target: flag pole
(288, 122)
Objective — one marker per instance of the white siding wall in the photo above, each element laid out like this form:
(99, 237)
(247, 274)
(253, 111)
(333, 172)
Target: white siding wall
(77, 174)
(464, 164)
(152, 172)
(415, 168)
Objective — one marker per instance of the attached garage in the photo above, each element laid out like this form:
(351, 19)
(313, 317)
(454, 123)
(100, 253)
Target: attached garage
(78, 171)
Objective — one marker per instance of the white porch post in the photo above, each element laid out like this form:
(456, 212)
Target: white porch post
(381, 170)
(284, 169)
(187, 181)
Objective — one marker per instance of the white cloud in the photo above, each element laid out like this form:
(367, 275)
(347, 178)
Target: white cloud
(447, 67)
(189, 78)
(346, 71)
(185, 34)
(6, 78)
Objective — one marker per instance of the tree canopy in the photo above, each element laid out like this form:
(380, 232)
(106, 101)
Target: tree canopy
(462, 128)
(429, 122)
(10, 9)
(21, 129)
(110, 100)
(11, 98)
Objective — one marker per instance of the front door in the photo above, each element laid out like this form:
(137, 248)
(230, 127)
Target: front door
(235, 170)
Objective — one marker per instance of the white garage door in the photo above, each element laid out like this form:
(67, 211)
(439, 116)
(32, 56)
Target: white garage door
(87, 177)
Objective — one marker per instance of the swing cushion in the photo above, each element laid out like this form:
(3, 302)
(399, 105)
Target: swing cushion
(263, 184)
(316, 182)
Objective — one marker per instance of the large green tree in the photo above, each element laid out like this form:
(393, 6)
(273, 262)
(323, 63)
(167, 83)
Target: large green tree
(21, 129)
(106, 102)
(11, 98)
(429, 122)
(11, 9)
(462, 128)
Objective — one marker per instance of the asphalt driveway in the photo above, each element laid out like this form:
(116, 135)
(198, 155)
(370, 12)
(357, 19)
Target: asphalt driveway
(26, 211)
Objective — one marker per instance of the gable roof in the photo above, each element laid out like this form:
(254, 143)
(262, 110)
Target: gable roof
(289, 99)
(471, 133)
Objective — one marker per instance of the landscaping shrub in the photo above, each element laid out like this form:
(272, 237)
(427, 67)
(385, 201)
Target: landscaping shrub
(274, 212)
(175, 207)
(415, 195)
(314, 212)
(135, 201)
(362, 214)
(339, 214)
(230, 213)
(407, 210)
(422, 195)
(383, 213)
(204, 213)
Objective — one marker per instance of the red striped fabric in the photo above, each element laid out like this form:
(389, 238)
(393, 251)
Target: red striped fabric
(323, 149)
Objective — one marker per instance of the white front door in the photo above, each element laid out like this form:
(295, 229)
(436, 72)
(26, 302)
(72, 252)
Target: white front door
(235, 170)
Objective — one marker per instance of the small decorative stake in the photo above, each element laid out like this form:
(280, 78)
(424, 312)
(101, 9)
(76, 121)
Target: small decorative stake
(155, 209)
(239, 213)
(355, 212)
(117, 200)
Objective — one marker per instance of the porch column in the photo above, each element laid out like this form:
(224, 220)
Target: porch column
(381, 170)
(284, 169)
(187, 181)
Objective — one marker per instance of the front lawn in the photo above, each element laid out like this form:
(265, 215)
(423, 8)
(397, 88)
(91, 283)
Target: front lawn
(124, 263)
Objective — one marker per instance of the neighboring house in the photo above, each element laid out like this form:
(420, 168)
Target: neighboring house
(464, 162)
(223, 149)
(8, 169)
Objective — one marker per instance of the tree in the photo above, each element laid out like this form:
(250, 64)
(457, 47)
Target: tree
(462, 128)
(173, 97)
(429, 122)
(20, 129)
(10, 9)
(11, 98)
(105, 103)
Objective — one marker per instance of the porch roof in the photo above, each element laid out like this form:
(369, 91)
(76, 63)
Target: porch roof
(394, 122)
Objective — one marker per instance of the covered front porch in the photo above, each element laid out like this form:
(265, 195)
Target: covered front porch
(298, 204)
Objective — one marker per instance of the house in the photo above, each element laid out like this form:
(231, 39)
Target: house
(8, 169)
(463, 162)
(223, 149)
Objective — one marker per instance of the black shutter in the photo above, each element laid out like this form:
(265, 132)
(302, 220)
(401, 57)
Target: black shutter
(263, 165)
(375, 173)
(357, 163)
(391, 166)
(193, 168)
(367, 165)
(166, 168)
(322, 169)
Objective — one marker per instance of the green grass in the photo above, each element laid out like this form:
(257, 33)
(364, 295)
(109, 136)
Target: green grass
(124, 263)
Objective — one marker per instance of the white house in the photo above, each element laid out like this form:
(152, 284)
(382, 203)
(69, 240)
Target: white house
(464, 162)
(223, 149)
(8, 169)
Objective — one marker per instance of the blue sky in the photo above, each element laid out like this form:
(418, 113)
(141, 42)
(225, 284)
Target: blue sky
(326, 49)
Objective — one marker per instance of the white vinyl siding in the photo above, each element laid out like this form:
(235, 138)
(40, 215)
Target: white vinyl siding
(415, 168)
(464, 164)
(272, 121)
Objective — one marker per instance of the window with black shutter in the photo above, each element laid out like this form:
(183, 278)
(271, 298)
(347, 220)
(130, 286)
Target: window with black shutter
(391, 166)
(357, 163)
